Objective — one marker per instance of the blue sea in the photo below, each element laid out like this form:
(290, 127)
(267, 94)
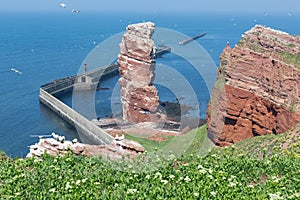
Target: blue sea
(48, 46)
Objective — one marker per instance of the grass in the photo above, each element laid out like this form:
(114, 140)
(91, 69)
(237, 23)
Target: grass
(268, 145)
(290, 58)
(150, 145)
(193, 142)
(223, 173)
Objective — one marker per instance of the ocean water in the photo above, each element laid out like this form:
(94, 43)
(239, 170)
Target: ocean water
(48, 46)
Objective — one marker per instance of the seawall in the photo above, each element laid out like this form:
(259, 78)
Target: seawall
(85, 128)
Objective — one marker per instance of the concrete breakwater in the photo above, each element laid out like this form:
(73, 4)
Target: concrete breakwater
(85, 128)
(88, 131)
(86, 80)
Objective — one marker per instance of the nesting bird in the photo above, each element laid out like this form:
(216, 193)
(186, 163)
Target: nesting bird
(34, 146)
(119, 138)
(61, 139)
(74, 141)
(55, 136)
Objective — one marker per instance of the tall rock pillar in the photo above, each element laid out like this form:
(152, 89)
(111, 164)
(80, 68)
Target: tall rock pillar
(136, 62)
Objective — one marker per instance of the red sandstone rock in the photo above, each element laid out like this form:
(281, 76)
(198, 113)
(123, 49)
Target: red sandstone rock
(114, 151)
(257, 90)
(136, 62)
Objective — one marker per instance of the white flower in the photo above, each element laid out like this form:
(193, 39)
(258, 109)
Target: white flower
(274, 197)
(232, 176)
(172, 176)
(84, 180)
(148, 176)
(52, 190)
(275, 179)
(68, 186)
(164, 182)
(213, 193)
(250, 186)
(202, 171)
(187, 179)
(232, 184)
(77, 182)
(210, 176)
(131, 191)
(97, 183)
(210, 171)
(158, 175)
(196, 194)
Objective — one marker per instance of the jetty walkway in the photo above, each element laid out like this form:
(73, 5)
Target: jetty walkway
(84, 81)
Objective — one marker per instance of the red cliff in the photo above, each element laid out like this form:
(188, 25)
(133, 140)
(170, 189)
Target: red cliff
(136, 62)
(258, 87)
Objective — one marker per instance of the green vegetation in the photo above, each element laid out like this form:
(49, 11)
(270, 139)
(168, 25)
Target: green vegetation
(194, 142)
(291, 45)
(150, 145)
(286, 144)
(290, 58)
(224, 173)
(256, 47)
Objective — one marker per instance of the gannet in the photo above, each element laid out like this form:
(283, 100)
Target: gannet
(15, 70)
(63, 5)
(75, 11)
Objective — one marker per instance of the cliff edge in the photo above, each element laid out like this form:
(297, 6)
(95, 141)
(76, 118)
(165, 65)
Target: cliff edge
(258, 87)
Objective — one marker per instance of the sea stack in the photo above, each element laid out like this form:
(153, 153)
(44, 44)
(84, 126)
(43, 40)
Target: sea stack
(258, 87)
(136, 62)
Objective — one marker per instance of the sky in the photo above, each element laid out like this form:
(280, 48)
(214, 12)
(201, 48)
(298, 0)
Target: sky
(287, 6)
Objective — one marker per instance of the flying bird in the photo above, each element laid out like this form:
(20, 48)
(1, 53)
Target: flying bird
(63, 5)
(75, 11)
(15, 70)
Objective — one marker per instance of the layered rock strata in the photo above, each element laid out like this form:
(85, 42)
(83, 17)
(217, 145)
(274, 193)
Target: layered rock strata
(136, 62)
(258, 87)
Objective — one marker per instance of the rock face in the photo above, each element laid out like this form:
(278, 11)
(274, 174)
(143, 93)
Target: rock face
(136, 62)
(115, 151)
(258, 87)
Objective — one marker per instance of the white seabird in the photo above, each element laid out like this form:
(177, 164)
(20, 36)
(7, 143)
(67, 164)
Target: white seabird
(15, 70)
(119, 138)
(63, 5)
(34, 146)
(61, 139)
(74, 140)
(55, 136)
(75, 11)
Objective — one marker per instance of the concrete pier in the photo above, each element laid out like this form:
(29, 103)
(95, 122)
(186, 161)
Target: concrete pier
(84, 127)
(88, 80)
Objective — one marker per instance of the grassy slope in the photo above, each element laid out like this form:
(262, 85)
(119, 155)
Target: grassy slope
(283, 144)
(194, 142)
(221, 174)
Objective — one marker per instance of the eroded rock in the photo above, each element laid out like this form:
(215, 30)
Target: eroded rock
(115, 151)
(136, 62)
(257, 89)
